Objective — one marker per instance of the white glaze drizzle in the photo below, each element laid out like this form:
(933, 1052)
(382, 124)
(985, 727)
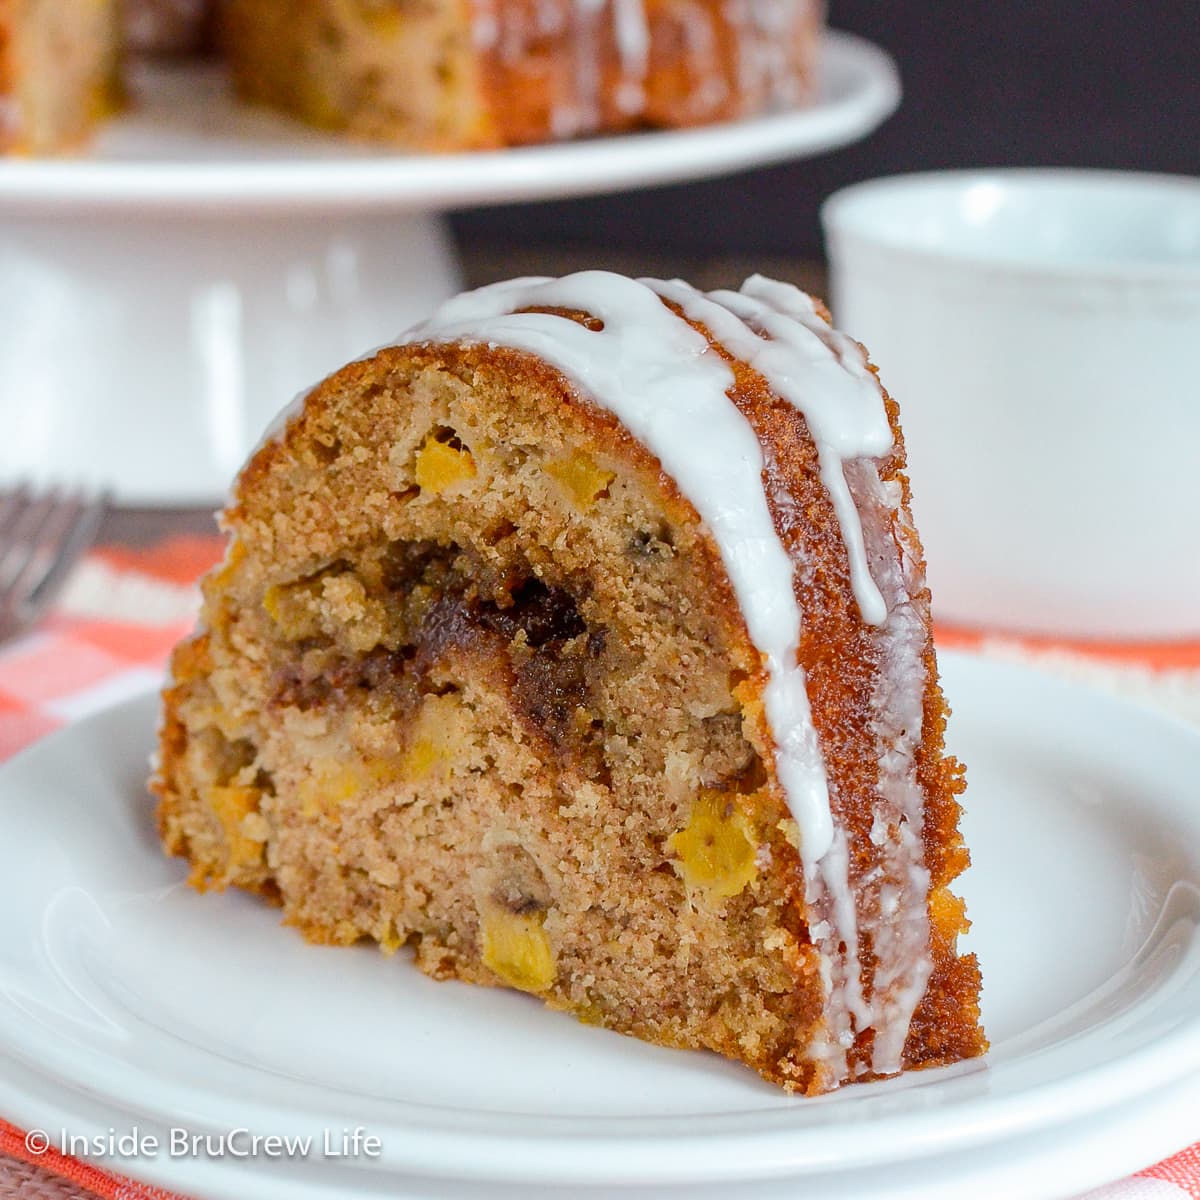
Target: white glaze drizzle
(845, 419)
(760, 35)
(899, 921)
(588, 79)
(660, 378)
(631, 32)
(772, 26)
(776, 329)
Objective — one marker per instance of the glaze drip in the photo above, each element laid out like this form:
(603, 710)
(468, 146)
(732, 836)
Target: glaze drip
(776, 330)
(736, 56)
(660, 377)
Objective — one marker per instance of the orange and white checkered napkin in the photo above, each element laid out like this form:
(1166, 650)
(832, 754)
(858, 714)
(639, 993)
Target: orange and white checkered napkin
(121, 613)
(110, 638)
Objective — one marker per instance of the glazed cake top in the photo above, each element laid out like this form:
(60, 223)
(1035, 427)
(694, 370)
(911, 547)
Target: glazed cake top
(656, 355)
(661, 378)
(763, 62)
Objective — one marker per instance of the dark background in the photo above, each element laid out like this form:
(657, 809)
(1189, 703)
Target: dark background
(986, 82)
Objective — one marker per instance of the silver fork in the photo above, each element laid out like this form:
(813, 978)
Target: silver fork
(42, 535)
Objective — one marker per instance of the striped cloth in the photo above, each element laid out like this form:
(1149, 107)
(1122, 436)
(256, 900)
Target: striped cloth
(124, 609)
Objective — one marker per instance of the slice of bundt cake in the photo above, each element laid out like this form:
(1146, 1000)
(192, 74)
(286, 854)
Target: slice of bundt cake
(454, 74)
(59, 63)
(581, 642)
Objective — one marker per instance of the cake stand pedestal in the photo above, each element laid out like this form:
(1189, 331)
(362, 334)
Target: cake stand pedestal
(149, 355)
(164, 295)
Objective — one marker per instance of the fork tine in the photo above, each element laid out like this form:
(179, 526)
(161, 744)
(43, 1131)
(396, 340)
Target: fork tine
(40, 547)
(24, 533)
(50, 534)
(75, 538)
(10, 505)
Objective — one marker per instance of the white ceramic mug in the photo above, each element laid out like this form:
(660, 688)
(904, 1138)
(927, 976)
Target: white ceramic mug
(1041, 332)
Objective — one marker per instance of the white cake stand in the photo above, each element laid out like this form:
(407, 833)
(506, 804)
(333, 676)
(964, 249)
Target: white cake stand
(162, 296)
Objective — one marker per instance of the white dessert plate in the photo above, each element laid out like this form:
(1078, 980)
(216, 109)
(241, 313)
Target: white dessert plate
(187, 145)
(127, 1000)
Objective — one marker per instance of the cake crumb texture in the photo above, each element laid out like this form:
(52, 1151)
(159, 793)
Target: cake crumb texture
(472, 680)
(59, 72)
(456, 74)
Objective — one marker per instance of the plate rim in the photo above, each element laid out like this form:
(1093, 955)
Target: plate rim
(380, 181)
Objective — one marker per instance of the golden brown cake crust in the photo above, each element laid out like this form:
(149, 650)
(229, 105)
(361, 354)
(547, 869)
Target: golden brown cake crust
(458, 74)
(425, 74)
(841, 665)
(503, 584)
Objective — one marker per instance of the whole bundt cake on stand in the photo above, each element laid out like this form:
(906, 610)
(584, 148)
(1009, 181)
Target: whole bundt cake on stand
(435, 75)
(580, 642)
(449, 74)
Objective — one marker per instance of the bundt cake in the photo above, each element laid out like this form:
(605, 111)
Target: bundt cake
(450, 74)
(423, 74)
(59, 71)
(580, 642)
